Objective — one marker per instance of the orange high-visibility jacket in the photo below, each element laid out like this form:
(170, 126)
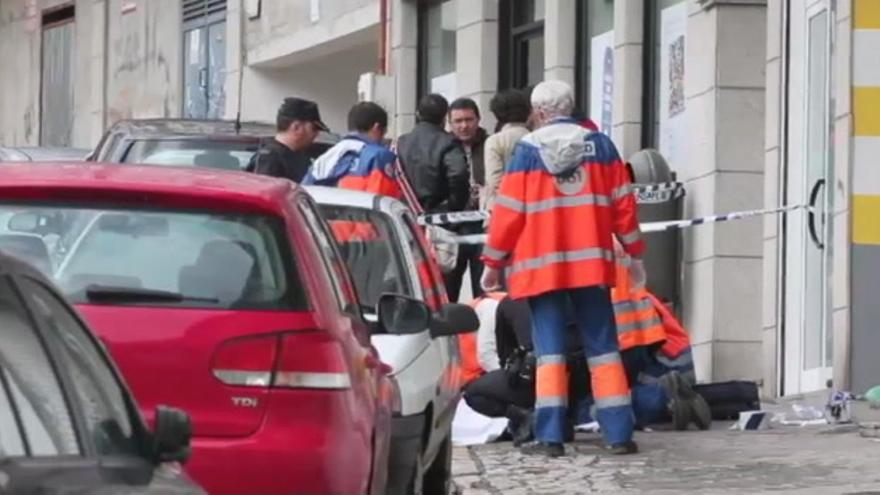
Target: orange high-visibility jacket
(467, 343)
(638, 323)
(677, 338)
(356, 163)
(563, 196)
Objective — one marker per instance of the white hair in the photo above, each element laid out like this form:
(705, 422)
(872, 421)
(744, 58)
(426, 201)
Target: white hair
(554, 98)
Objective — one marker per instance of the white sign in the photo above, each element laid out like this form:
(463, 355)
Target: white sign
(445, 85)
(673, 126)
(602, 80)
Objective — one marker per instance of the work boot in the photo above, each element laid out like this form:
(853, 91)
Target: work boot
(624, 448)
(685, 405)
(520, 425)
(548, 449)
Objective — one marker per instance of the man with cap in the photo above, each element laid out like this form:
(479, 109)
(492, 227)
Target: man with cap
(298, 123)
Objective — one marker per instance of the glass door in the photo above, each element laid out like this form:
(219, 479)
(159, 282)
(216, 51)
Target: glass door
(808, 342)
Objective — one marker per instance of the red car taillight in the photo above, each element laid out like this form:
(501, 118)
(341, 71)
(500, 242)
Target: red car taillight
(288, 360)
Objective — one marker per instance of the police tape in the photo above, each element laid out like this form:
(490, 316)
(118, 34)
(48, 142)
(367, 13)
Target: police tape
(651, 227)
(645, 194)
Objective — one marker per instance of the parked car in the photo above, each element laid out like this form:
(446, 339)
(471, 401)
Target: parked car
(68, 421)
(36, 154)
(387, 253)
(223, 293)
(203, 143)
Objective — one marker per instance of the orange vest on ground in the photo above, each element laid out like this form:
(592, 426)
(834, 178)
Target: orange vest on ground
(555, 232)
(638, 323)
(467, 344)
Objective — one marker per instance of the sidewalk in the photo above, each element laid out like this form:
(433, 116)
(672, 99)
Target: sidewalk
(781, 460)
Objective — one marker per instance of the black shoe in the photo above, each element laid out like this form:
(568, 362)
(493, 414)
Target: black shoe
(625, 448)
(685, 405)
(543, 448)
(520, 425)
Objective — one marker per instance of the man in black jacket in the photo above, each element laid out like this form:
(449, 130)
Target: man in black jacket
(433, 160)
(298, 123)
(464, 119)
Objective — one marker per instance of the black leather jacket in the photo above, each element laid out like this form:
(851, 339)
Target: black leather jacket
(436, 168)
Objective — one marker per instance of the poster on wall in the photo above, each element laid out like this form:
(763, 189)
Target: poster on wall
(602, 80)
(673, 126)
(445, 85)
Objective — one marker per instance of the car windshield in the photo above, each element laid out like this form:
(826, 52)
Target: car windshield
(157, 257)
(224, 155)
(371, 250)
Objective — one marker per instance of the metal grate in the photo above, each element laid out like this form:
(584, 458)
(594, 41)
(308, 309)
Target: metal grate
(195, 10)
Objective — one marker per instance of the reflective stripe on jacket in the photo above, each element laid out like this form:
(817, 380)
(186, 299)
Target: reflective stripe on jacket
(359, 165)
(638, 323)
(564, 194)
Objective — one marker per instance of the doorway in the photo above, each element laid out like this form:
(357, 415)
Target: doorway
(808, 342)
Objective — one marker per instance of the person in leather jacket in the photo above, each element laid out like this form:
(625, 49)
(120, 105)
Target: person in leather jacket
(433, 160)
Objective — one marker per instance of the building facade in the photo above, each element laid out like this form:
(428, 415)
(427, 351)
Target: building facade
(755, 103)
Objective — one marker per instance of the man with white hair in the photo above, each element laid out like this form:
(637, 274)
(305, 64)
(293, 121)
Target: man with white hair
(564, 196)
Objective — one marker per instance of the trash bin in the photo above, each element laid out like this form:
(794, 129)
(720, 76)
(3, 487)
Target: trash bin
(663, 256)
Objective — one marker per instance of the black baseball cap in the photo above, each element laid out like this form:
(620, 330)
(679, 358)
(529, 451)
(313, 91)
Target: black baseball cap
(304, 110)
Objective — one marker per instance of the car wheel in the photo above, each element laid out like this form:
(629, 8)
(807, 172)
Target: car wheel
(438, 477)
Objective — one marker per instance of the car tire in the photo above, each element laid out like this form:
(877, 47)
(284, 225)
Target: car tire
(438, 477)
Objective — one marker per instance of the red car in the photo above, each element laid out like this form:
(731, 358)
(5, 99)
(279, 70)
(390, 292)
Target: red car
(222, 294)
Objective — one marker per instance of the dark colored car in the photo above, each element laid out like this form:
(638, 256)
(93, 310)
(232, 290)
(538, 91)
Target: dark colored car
(200, 143)
(42, 154)
(68, 423)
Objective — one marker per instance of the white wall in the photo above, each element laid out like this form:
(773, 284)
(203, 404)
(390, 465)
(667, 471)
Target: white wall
(331, 82)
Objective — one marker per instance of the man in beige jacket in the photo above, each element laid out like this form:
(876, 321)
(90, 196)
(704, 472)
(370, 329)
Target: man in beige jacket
(511, 108)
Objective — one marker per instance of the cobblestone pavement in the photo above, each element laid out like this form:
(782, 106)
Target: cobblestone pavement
(790, 460)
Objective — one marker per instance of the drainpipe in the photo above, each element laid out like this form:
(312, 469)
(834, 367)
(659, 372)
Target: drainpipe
(383, 37)
(106, 66)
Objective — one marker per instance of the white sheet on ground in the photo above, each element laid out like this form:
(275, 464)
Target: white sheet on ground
(472, 428)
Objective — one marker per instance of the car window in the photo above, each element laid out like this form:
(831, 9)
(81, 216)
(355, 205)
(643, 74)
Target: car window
(335, 267)
(100, 398)
(206, 153)
(106, 146)
(429, 277)
(34, 415)
(371, 250)
(206, 259)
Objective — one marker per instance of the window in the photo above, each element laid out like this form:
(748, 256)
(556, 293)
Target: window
(429, 276)
(521, 44)
(99, 396)
(371, 251)
(56, 101)
(437, 31)
(664, 86)
(333, 264)
(204, 58)
(595, 61)
(222, 155)
(161, 257)
(34, 416)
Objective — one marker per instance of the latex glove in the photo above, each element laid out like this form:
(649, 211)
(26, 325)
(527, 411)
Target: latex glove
(637, 275)
(491, 279)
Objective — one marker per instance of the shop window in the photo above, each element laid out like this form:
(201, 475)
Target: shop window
(664, 124)
(204, 53)
(437, 31)
(521, 43)
(594, 85)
